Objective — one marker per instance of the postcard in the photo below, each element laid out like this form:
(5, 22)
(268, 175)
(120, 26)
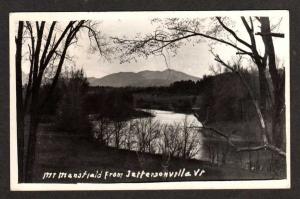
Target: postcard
(156, 100)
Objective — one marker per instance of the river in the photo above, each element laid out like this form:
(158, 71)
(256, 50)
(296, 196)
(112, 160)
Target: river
(169, 117)
(172, 127)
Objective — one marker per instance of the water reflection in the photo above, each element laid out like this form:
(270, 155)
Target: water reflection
(167, 133)
(169, 117)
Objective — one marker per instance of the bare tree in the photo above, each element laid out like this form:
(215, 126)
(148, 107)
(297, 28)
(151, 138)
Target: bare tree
(20, 113)
(101, 130)
(118, 131)
(129, 135)
(190, 141)
(46, 48)
(172, 143)
(215, 69)
(266, 142)
(278, 80)
(147, 130)
(141, 134)
(108, 134)
(173, 33)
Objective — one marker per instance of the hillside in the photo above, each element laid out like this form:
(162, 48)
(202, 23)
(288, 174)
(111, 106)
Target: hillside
(141, 79)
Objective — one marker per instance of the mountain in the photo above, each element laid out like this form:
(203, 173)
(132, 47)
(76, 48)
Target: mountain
(141, 79)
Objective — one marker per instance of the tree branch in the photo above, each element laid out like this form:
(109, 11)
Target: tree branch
(68, 40)
(51, 52)
(215, 39)
(47, 43)
(241, 149)
(280, 35)
(233, 33)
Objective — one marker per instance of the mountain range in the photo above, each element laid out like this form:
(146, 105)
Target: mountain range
(144, 78)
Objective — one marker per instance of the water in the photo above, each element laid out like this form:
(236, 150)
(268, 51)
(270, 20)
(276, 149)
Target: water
(171, 126)
(173, 118)
(135, 130)
(169, 117)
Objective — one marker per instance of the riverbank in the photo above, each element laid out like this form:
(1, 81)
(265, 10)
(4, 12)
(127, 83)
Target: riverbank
(64, 152)
(132, 114)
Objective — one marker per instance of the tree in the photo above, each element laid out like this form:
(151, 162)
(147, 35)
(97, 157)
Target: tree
(146, 130)
(190, 144)
(118, 131)
(48, 46)
(129, 135)
(20, 113)
(71, 107)
(172, 33)
(266, 142)
(277, 77)
(172, 143)
(101, 129)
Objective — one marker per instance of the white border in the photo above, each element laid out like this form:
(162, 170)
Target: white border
(66, 16)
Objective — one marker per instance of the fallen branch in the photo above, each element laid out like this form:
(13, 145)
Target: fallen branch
(263, 147)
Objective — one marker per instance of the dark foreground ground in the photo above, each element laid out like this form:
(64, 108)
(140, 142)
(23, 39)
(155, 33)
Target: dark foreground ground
(77, 157)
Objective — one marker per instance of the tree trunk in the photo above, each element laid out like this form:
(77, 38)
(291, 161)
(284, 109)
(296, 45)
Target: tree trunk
(31, 148)
(37, 70)
(278, 114)
(117, 140)
(277, 82)
(263, 90)
(34, 104)
(184, 149)
(20, 111)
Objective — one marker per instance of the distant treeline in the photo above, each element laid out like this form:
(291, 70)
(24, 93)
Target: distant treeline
(112, 103)
(185, 87)
(220, 97)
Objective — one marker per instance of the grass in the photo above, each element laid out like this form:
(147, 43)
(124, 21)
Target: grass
(65, 152)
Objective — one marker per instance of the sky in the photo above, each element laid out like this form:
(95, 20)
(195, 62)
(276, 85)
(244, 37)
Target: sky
(191, 59)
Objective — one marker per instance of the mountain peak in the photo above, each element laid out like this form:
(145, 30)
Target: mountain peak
(142, 79)
(169, 69)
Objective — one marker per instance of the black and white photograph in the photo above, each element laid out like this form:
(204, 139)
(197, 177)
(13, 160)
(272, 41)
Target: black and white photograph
(149, 100)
